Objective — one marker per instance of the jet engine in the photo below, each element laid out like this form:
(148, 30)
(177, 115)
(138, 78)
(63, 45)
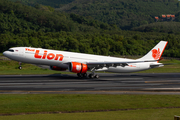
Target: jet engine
(77, 67)
(57, 68)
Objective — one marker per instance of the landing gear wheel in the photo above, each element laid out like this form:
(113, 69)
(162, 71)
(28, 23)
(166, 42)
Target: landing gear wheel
(91, 76)
(20, 67)
(84, 75)
(96, 76)
(79, 75)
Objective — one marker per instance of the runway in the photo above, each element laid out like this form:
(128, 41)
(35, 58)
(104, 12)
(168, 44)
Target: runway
(164, 83)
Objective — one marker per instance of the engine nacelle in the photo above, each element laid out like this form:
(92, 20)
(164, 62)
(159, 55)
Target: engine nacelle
(57, 68)
(77, 67)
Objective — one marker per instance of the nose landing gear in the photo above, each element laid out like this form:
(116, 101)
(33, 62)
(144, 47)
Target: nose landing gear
(20, 65)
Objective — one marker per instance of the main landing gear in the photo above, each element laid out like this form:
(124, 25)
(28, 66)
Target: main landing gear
(93, 76)
(84, 75)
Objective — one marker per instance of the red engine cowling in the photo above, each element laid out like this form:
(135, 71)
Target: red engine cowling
(57, 68)
(78, 67)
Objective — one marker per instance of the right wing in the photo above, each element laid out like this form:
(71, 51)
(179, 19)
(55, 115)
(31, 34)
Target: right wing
(98, 65)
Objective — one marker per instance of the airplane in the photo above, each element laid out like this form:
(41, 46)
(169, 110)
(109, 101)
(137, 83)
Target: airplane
(80, 63)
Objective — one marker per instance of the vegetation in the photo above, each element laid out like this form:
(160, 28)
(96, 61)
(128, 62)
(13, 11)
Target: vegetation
(126, 14)
(73, 103)
(141, 114)
(56, 103)
(11, 68)
(122, 43)
(17, 18)
(164, 27)
(22, 25)
(88, 27)
(52, 3)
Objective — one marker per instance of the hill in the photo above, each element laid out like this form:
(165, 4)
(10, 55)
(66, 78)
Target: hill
(164, 27)
(126, 14)
(22, 25)
(52, 3)
(18, 18)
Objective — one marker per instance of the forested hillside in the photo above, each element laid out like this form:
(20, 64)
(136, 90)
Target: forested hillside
(126, 14)
(18, 18)
(163, 27)
(119, 43)
(22, 25)
(52, 3)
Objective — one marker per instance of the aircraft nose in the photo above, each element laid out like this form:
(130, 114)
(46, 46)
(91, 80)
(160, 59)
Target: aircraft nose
(5, 53)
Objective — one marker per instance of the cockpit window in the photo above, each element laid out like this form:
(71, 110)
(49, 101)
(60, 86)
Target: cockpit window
(11, 50)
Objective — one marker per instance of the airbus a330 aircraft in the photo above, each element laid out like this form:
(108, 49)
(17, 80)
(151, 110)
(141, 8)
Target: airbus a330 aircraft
(80, 63)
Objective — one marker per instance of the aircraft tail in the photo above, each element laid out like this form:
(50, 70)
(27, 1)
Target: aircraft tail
(156, 52)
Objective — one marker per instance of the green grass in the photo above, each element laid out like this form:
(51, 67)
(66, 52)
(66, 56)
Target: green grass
(11, 68)
(149, 114)
(97, 107)
(32, 103)
(17, 104)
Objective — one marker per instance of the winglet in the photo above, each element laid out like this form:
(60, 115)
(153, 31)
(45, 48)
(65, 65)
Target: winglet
(156, 52)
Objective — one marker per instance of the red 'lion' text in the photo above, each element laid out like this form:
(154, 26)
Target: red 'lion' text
(49, 56)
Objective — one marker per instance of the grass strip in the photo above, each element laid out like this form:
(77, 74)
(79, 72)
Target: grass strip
(11, 68)
(148, 114)
(35, 103)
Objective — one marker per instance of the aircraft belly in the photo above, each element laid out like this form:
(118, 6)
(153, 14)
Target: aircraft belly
(127, 69)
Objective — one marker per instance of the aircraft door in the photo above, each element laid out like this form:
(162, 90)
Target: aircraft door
(21, 52)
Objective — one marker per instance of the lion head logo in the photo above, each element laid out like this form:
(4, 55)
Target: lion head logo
(156, 53)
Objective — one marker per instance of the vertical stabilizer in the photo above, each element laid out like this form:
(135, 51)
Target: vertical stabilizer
(156, 52)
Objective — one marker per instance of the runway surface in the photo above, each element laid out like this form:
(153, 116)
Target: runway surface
(107, 84)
